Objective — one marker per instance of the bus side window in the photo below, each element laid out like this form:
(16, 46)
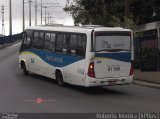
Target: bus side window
(26, 43)
(77, 45)
(38, 40)
(49, 42)
(61, 43)
(53, 39)
(47, 45)
(72, 45)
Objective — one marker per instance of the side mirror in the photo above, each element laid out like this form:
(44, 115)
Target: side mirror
(73, 52)
(64, 51)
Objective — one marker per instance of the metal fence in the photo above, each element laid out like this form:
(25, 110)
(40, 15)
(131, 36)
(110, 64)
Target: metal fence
(147, 54)
(10, 39)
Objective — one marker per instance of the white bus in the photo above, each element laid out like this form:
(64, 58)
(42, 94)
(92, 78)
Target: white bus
(85, 56)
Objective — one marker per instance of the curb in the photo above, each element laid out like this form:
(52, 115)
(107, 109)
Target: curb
(146, 84)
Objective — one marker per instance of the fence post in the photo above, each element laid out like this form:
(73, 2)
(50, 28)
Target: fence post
(159, 49)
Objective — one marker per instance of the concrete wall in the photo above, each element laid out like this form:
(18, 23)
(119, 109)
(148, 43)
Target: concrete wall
(153, 77)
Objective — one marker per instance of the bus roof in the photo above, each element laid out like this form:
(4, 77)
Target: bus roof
(79, 29)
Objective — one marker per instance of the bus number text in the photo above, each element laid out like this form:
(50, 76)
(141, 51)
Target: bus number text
(113, 68)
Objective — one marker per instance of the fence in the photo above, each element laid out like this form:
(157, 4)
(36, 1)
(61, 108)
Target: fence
(147, 54)
(147, 46)
(10, 39)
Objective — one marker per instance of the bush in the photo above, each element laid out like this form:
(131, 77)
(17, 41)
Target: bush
(150, 58)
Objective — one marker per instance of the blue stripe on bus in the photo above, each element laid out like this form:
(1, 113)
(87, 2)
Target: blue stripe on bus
(125, 57)
(55, 59)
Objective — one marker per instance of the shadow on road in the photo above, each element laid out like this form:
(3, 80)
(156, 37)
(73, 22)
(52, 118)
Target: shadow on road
(95, 90)
(88, 90)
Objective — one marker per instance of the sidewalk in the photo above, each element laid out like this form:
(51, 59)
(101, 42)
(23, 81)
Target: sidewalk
(149, 79)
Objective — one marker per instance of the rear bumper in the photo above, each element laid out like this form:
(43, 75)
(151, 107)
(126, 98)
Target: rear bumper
(108, 81)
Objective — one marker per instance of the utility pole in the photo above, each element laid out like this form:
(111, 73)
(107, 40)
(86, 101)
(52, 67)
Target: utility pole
(23, 22)
(30, 12)
(35, 12)
(3, 28)
(45, 13)
(48, 17)
(45, 5)
(41, 12)
(10, 17)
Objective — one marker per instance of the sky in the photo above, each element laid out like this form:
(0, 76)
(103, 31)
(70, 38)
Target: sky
(59, 16)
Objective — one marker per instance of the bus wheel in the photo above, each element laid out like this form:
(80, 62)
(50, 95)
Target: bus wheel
(59, 78)
(25, 72)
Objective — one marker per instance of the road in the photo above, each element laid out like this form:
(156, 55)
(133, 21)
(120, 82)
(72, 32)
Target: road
(18, 92)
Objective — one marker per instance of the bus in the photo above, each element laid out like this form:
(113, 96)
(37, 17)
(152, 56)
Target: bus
(79, 55)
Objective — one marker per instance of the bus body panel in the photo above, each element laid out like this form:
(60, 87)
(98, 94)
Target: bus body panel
(110, 68)
(73, 71)
(113, 54)
(37, 65)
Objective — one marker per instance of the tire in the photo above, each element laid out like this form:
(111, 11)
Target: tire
(24, 69)
(59, 79)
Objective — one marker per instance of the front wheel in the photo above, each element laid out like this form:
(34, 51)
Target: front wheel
(24, 69)
(59, 79)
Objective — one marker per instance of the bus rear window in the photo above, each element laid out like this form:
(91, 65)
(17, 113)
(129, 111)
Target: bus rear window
(113, 42)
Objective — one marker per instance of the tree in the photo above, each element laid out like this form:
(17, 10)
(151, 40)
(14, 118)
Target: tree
(145, 11)
(102, 12)
(125, 13)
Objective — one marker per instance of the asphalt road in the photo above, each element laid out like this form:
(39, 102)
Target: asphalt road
(18, 93)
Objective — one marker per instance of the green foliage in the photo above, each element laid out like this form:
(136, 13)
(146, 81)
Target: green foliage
(111, 12)
(145, 11)
(128, 23)
(101, 12)
(150, 58)
(136, 64)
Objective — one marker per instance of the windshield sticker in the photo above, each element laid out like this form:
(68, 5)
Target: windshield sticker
(112, 43)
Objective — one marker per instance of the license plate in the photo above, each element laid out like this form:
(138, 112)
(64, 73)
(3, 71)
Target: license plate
(113, 68)
(113, 82)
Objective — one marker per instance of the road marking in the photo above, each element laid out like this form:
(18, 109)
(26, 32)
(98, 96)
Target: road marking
(40, 100)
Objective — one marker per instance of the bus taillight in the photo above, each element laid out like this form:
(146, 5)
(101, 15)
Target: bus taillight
(132, 69)
(91, 72)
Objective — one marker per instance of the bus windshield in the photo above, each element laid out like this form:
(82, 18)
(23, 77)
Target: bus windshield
(113, 42)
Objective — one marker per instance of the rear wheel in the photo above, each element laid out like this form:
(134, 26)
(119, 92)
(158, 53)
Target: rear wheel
(59, 78)
(24, 69)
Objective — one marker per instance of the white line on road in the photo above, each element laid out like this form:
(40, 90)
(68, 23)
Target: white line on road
(40, 100)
